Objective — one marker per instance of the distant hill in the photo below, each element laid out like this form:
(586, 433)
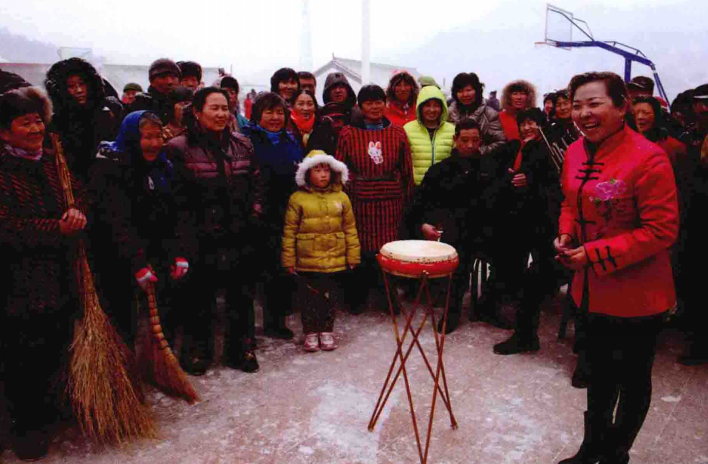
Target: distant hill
(19, 49)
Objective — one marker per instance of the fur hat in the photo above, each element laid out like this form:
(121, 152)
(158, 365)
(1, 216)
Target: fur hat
(10, 81)
(517, 85)
(55, 83)
(24, 100)
(163, 66)
(190, 68)
(315, 157)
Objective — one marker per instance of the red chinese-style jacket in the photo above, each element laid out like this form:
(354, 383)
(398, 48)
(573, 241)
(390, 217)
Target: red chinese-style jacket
(621, 205)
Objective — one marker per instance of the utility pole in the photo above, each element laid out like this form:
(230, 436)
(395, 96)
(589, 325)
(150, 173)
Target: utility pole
(365, 44)
(306, 39)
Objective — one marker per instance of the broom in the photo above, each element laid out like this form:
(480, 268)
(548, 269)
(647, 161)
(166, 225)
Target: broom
(105, 400)
(158, 363)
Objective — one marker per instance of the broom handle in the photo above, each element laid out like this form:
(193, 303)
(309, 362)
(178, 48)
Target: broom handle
(63, 171)
(155, 326)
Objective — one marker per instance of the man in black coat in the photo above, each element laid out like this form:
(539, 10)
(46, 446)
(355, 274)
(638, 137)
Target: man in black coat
(164, 75)
(459, 203)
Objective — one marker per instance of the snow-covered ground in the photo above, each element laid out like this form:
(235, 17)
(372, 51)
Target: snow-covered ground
(315, 407)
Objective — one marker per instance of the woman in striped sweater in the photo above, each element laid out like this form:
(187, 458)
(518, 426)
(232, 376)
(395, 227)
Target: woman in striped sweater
(381, 182)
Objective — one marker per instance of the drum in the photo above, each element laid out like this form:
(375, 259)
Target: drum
(413, 258)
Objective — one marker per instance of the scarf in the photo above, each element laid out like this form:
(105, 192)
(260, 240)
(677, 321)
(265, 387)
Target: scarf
(274, 137)
(304, 125)
(24, 154)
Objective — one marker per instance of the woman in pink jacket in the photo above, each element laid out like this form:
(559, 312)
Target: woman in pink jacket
(619, 217)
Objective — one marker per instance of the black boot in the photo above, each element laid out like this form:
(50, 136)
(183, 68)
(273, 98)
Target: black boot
(453, 320)
(591, 449)
(517, 344)
(581, 375)
(29, 443)
(278, 329)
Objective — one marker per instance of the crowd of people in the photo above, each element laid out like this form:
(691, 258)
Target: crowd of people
(599, 189)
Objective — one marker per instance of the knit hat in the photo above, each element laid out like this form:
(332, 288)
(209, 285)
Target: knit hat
(370, 92)
(163, 66)
(316, 157)
(190, 68)
(425, 81)
(132, 86)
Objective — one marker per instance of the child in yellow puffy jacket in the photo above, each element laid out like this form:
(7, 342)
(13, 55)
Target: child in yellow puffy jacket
(319, 242)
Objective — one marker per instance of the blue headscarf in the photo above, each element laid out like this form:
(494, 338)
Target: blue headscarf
(127, 148)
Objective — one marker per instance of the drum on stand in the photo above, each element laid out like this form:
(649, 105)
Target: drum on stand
(422, 260)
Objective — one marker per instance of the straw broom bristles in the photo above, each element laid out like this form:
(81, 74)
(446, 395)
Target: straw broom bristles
(104, 397)
(158, 363)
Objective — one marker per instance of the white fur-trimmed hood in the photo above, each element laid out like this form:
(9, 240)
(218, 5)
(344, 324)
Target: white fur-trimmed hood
(320, 157)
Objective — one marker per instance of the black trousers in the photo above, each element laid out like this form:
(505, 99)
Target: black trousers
(214, 271)
(540, 280)
(620, 353)
(316, 291)
(35, 351)
(116, 287)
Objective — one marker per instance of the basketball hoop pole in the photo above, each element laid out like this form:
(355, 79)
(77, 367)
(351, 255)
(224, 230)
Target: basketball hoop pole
(629, 53)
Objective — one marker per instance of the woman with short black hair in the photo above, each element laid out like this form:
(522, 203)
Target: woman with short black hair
(381, 184)
(285, 83)
(468, 102)
(223, 197)
(276, 156)
(618, 220)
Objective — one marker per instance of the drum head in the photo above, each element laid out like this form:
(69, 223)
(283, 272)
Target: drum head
(415, 258)
(419, 251)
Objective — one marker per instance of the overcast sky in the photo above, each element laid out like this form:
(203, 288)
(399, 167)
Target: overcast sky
(256, 37)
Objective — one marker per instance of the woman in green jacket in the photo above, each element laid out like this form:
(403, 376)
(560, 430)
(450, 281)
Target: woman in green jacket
(430, 135)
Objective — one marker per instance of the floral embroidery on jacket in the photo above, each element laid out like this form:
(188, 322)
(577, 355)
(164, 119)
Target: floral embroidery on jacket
(606, 200)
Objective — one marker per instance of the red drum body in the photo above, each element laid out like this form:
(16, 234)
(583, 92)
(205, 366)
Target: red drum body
(414, 258)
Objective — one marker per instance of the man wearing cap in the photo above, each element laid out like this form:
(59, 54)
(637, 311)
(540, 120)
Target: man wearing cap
(642, 86)
(129, 92)
(164, 76)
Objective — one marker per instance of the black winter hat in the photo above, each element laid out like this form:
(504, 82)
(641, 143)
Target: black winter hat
(163, 66)
(370, 92)
(190, 68)
(181, 94)
(700, 92)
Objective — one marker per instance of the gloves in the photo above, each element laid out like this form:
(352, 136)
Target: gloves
(145, 275)
(179, 268)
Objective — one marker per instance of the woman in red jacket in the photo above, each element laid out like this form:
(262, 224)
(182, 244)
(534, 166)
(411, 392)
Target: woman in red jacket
(619, 217)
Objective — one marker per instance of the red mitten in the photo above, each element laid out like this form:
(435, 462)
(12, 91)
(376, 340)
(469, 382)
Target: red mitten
(179, 268)
(145, 275)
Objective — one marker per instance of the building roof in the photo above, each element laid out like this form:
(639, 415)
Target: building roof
(380, 73)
